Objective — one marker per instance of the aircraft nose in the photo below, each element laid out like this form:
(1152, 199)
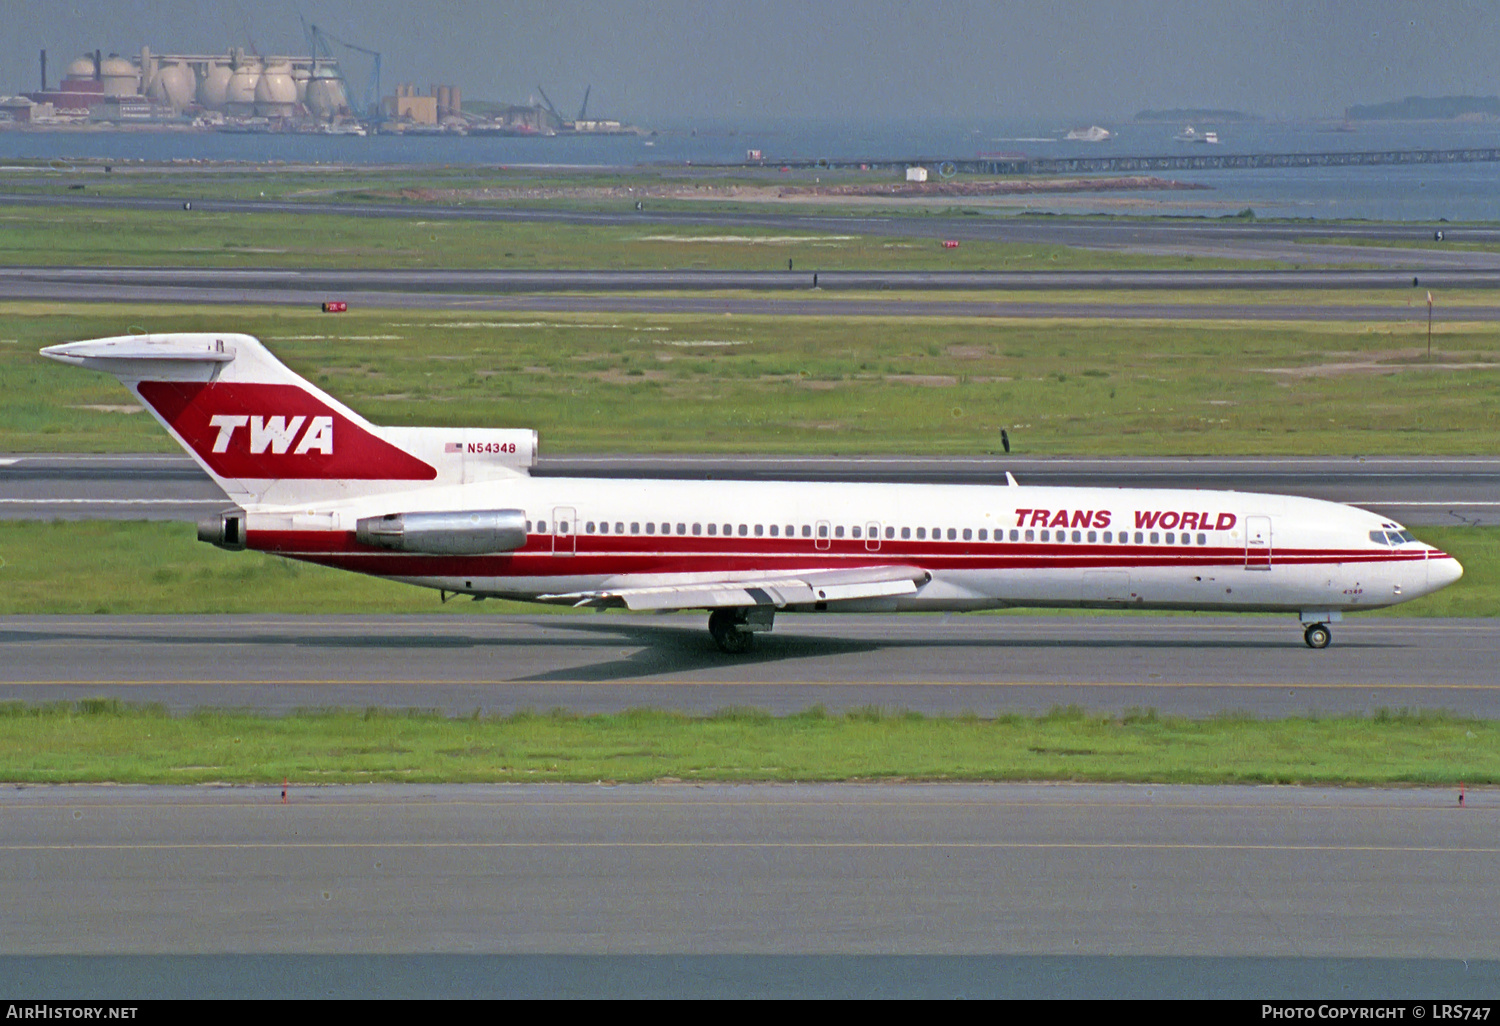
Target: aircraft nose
(1442, 570)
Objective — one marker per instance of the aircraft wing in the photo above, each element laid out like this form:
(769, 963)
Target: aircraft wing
(786, 588)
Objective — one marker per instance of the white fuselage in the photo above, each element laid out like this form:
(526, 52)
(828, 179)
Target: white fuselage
(983, 546)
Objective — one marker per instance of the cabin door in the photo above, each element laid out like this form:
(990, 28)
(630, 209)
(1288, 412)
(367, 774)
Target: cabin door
(1257, 543)
(564, 531)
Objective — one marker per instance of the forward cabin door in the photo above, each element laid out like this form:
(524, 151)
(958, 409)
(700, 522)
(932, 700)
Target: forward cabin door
(564, 531)
(1257, 543)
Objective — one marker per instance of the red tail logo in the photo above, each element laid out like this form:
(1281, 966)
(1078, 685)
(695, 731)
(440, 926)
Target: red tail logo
(231, 428)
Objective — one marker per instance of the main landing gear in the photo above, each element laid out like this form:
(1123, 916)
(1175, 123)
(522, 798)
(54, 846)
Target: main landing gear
(734, 630)
(1317, 635)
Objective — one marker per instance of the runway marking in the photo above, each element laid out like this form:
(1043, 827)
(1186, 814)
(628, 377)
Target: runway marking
(309, 799)
(7, 463)
(647, 682)
(733, 845)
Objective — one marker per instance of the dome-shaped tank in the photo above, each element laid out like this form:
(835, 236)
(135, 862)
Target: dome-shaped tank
(325, 93)
(120, 76)
(275, 92)
(300, 77)
(81, 67)
(174, 85)
(239, 97)
(214, 89)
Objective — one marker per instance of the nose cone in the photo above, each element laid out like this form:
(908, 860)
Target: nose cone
(1442, 570)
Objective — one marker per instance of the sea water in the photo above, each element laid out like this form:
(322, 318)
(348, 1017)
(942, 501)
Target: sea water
(1425, 193)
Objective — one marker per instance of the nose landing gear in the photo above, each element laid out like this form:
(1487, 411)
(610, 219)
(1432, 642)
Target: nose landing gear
(1317, 635)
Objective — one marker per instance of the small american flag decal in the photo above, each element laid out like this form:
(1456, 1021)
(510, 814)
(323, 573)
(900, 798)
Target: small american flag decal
(454, 447)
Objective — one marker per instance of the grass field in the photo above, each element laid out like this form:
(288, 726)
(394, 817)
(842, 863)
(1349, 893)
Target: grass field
(658, 383)
(100, 740)
(149, 568)
(62, 236)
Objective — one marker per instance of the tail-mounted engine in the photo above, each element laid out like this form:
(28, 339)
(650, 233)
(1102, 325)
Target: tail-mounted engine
(466, 532)
(226, 530)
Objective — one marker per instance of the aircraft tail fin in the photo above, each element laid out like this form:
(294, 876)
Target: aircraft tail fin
(268, 435)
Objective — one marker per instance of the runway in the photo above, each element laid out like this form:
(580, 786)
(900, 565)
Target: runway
(591, 663)
(984, 890)
(1417, 491)
(797, 296)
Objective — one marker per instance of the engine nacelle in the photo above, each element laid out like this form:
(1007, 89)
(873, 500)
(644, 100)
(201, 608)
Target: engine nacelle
(226, 530)
(460, 533)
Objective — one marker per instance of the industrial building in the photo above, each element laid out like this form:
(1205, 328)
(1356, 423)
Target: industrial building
(233, 85)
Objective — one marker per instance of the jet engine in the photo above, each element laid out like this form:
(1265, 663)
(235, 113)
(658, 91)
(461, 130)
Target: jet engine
(463, 532)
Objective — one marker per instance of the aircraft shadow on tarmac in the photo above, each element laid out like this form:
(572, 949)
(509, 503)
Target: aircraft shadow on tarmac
(655, 648)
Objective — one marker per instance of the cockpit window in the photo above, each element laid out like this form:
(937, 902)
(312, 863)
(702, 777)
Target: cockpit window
(1391, 537)
(1406, 536)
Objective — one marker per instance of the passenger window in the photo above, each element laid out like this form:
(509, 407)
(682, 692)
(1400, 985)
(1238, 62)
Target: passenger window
(1155, 538)
(806, 531)
(635, 527)
(588, 528)
(790, 531)
(619, 527)
(760, 530)
(713, 529)
(528, 528)
(890, 532)
(854, 532)
(650, 528)
(968, 534)
(1078, 536)
(604, 527)
(1014, 535)
(822, 530)
(1046, 536)
(681, 528)
(744, 530)
(697, 528)
(775, 531)
(541, 527)
(937, 533)
(1093, 537)
(921, 534)
(1203, 539)
(984, 534)
(905, 533)
(838, 532)
(1171, 538)
(1109, 536)
(1030, 535)
(728, 530)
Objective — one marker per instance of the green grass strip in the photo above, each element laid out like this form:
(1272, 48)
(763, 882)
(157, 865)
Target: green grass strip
(102, 740)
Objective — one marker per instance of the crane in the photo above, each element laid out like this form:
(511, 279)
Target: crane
(318, 38)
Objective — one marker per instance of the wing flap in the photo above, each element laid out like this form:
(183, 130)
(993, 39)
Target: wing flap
(804, 588)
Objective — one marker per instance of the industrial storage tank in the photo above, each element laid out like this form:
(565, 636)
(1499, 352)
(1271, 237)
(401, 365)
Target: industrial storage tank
(120, 76)
(81, 67)
(239, 97)
(275, 92)
(213, 90)
(174, 85)
(300, 77)
(325, 93)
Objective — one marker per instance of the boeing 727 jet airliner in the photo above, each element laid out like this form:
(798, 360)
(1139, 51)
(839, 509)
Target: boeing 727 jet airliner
(456, 509)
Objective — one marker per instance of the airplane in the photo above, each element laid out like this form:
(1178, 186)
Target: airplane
(456, 510)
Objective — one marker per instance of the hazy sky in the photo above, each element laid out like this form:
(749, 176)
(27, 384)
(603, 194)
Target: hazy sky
(686, 61)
